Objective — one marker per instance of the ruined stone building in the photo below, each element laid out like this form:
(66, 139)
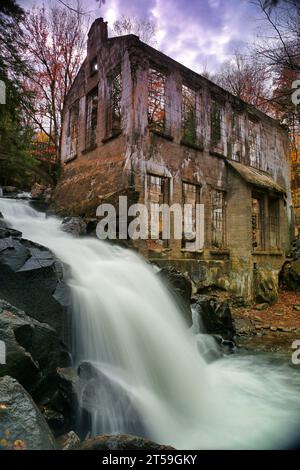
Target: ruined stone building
(137, 122)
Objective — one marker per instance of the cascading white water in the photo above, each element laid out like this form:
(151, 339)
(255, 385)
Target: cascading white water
(129, 327)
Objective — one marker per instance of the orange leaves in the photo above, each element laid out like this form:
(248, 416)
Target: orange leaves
(19, 445)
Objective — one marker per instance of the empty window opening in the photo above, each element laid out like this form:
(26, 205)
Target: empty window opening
(254, 145)
(115, 104)
(158, 193)
(191, 197)
(94, 66)
(218, 219)
(156, 100)
(274, 223)
(215, 124)
(236, 138)
(73, 128)
(258, 229)
(91, 118)
(189, 115)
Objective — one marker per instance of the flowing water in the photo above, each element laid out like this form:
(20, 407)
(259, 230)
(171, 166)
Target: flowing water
(129, 328)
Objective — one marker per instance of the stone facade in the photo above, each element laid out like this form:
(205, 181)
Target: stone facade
(138, 123)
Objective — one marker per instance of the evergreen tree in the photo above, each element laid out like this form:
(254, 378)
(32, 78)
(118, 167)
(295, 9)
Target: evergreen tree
(16, 162)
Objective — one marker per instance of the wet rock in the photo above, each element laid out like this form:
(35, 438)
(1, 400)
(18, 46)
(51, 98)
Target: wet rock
(75, 226)
(65, 396)
(31, 278)
(260, 307)
(122, 442)
(68, 441)
(256, 318)
(216, 316)
(55, 420)
(91, 225)
(294, 274)
(226, 346)
(265, 286)
(32, 348)
(10, 189)
(37, 191)
(47, 195)
(58, 398)
(102, 395)
(6, 232)
(22, 425)
(180, 286)
(290, 275)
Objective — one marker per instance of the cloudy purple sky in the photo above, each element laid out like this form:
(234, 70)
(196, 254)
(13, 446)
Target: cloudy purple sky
(201, 34)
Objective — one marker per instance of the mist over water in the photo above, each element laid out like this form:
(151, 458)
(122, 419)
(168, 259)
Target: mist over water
(128, 326)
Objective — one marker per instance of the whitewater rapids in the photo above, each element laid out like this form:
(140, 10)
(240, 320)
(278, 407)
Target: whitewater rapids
(126, 323)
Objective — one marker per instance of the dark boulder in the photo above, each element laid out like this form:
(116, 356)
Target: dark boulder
(32, 348)
(265, 285)
(22, 425)
(102, 396)
(68, 441)
(121, 442)
(6, 232)
(58, 398)
(215, 316)
(10, 190)
(75, 226)
(31, 278)
(289, 276)
(180, 287)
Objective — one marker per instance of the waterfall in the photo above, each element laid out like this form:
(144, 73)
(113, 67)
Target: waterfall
(128, 326)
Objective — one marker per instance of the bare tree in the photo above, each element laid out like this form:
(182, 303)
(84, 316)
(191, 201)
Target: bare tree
(278, 48)
(145, 29)
(77, 9)
(279, 38)
(247, 79)
(54, 45)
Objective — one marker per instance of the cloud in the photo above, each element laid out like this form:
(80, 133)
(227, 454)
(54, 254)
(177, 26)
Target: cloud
(198, 33)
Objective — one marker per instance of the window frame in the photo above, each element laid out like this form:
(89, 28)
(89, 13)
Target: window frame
(185, 138)
(214, 229)
(216, 114)
(90, 129)
(165, 194)
(261, 246)
(94, 70)
(274, 221)
(156, 125)
(113, 130)
(187, 243)
(73, 129)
